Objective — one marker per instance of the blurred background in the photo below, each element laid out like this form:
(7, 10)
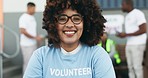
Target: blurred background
(11, 10)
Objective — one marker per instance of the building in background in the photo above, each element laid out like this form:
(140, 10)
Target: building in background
(14, 8)
(116, 4)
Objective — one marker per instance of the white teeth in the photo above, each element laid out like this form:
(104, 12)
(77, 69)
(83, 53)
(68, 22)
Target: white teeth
(69, 32)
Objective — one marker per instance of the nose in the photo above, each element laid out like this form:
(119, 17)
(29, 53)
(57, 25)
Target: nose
(69, 24)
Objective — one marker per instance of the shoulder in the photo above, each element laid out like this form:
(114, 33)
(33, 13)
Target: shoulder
(23, 16)
(96, 51)
(94, 48)
(97, 48)
(111, 41)
(99, 53)
(102, 63)
(42, 51)
(138, 12)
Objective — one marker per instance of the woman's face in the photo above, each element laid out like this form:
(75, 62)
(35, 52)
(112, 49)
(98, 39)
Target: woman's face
(70, 27)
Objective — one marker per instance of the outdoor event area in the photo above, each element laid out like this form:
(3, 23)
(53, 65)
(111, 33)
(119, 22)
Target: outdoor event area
(73, 39)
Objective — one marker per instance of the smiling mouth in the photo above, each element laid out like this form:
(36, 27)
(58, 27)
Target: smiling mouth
(69, 33)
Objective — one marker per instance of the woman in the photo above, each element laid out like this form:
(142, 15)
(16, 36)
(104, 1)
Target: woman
(74, 28)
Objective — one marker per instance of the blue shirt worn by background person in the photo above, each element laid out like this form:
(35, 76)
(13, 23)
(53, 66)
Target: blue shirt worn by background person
(88, 62)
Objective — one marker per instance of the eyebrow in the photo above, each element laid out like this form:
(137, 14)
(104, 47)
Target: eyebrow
(71, 15)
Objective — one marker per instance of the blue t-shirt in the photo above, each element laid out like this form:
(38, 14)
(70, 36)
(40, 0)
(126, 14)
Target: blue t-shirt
(88, 62)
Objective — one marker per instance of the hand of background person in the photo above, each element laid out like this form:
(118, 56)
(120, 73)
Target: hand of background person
(121, 35)
(39, 38)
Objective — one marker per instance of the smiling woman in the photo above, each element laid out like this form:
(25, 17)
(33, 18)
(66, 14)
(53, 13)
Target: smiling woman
(93, 20)
(70, 31)
(74, 29)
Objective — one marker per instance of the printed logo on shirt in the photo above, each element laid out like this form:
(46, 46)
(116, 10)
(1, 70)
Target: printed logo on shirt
(70, 72)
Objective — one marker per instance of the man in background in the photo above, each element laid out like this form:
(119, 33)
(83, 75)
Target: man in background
(135, 31)
(29, 37)
(145, 61)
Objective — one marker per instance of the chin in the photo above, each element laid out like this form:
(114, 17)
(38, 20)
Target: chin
(124, 10)
(70, 41)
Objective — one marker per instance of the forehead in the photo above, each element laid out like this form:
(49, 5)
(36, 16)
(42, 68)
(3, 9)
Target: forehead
(124, 2)
(31, 7)
(70, 12)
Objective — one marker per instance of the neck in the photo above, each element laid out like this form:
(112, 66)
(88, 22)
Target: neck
(29, 13)
(103, 41)
(130, 9)
(69, 47)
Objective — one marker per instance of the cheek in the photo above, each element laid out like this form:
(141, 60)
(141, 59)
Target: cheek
(81, 27)
(59, 28)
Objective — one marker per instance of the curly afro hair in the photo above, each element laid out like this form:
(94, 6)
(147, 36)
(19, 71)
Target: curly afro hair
(93, 20)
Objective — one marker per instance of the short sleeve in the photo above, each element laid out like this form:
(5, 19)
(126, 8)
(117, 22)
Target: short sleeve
(103, 67)
(140, 18)
(23, 22)
(34, 67)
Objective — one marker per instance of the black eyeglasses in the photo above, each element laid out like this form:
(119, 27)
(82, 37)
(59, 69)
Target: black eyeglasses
(63, 18)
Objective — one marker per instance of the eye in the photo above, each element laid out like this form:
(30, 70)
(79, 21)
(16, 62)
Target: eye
(62, 19)
(76, 18)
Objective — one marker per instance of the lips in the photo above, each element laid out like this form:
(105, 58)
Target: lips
(69, 33)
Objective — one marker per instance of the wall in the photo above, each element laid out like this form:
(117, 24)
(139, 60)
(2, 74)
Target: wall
(11, 21)
(12, 11)
(14, 8)
(20, 5)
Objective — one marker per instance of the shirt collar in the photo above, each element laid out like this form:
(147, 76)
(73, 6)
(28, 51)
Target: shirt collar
(71, 52)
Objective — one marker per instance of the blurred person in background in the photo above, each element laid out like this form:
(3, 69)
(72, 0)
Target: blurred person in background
(29, 37)
(110, 46)
(135, 32)
(145, 61)
(74, 29)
